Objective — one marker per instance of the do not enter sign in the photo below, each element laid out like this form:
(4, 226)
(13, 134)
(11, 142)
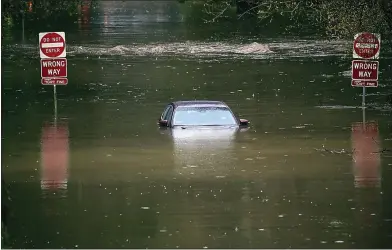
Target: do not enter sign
(366, 46)
(52, 44)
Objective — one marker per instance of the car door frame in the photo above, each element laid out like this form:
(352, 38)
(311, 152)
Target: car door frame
(169, 110)
(164, 112)
(169, 115)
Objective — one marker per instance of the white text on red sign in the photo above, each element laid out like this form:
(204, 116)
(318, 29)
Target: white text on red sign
(50, 50)
(364, 83)
(52, 45)
(54, 81)
(56, 67)
(364, 70)
(366, 46)
(51, 40)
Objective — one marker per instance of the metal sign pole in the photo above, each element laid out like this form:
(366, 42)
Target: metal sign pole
(363, 96)
(363, 107)
(55, 104)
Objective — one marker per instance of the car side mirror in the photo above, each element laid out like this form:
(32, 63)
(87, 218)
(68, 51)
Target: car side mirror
(244, 122)
(162, 123)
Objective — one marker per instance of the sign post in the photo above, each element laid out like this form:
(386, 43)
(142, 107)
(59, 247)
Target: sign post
(55, 103)
(364, 72)
(53, 62)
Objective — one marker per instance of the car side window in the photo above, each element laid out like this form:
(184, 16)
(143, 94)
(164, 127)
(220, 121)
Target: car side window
(169, 113)
(165, 112)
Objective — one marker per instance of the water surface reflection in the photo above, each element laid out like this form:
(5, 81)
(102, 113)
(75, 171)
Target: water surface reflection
(203, 152)
(54, 157)
(84, 15)
(366, 154)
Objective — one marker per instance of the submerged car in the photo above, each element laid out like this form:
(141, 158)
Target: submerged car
(199, 113)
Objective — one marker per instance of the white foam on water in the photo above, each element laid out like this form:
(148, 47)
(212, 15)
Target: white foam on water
(338, 107)
(254, 50)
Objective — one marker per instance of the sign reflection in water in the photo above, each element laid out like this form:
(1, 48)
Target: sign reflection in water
(54, 157)
(366, 154)
(203, 152)
(84, 14)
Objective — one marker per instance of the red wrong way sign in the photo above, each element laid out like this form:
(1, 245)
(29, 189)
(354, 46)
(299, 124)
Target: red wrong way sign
(54, 67)
(364, 70)
(366, 46)
(52, 44)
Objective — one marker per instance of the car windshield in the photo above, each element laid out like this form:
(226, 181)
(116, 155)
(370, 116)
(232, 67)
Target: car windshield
(203, 116)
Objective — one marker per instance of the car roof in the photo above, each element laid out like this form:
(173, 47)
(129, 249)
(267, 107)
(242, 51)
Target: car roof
(199, 103)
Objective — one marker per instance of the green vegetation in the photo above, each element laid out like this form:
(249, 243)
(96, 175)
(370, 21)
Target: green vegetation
(333, 18)
(39, 11)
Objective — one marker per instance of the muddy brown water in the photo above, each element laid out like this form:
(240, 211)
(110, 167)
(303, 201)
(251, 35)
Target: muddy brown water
(309, 172)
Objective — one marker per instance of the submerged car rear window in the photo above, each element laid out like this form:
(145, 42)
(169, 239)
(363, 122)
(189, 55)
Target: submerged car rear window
(203, 116)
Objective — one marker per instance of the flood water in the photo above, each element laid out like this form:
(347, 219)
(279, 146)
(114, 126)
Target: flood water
(312, 170)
